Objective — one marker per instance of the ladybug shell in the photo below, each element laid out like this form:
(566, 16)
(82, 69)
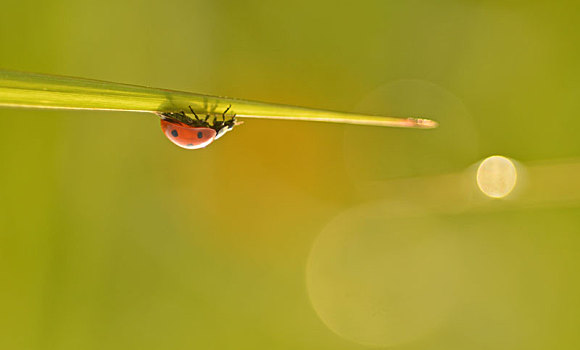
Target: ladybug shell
(186, 136)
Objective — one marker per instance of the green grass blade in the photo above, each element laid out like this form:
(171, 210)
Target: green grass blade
(21, 89)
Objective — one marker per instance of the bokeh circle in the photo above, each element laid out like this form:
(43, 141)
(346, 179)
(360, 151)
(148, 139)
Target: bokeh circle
(496, 176)
(379, 280)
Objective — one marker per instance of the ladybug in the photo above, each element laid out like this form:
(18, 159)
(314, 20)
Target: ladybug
(194, 133)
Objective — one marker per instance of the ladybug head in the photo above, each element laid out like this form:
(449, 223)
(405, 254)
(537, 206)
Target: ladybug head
(224, 127)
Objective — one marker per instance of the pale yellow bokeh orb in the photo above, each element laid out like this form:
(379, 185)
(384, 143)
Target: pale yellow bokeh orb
(380, 280)
(496, 176)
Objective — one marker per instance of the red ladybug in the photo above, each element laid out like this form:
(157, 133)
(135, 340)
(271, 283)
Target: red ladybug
(194, 133)
(187, 136)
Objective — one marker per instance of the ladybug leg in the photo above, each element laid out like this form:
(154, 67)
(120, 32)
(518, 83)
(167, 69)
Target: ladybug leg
(217, 124)
(192, 111)
(183, 118)
(224, 114)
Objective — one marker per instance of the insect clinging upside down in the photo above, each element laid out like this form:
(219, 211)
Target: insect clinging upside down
(195, 133)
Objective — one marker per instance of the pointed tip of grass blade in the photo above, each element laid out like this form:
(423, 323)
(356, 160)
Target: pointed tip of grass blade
(407, 123)
(423, 123)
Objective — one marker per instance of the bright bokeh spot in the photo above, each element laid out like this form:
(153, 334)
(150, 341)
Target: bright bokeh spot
(496, 176)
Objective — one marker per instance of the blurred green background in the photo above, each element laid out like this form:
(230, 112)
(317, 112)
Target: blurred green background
(295, 235)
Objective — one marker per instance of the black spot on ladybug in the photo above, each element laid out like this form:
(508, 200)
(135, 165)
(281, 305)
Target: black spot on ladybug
(174, 133)
(199, 134)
